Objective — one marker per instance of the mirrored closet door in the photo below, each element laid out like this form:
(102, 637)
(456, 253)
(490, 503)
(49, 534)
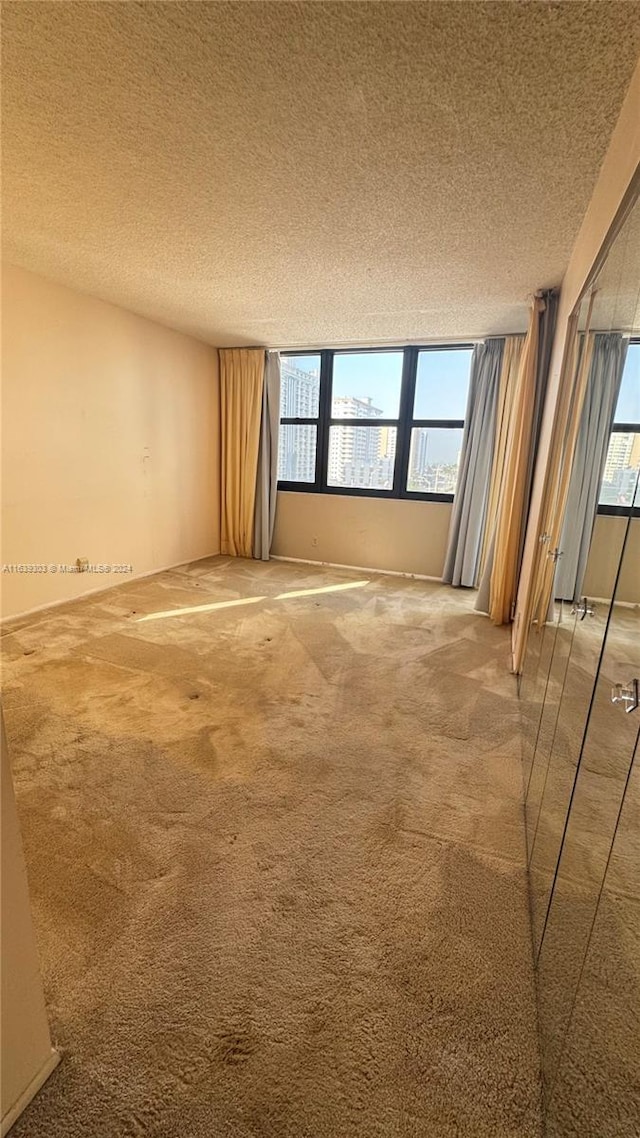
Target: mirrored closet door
(581, 722)
(597, 794)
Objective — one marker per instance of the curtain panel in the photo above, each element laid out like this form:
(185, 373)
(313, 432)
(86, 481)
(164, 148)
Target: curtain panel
(563, 445)
(241, 388)
(499, 582)
(549, 493)
(472, 492)
(267, 479)
(548, 320)
(508, 379)
(608, 357)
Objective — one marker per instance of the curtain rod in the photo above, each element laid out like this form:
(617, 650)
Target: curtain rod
(337, 346)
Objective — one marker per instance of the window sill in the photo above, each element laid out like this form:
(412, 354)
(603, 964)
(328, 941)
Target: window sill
(619, 511)
(361, 492)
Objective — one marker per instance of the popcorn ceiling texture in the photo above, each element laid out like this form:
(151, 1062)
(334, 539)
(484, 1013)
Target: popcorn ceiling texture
(309, 173)
(617, 299)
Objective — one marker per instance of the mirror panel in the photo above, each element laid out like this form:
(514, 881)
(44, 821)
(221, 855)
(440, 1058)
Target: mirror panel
(582, 789)
(579, 644)
(595, 1092)
(597, 796)
(533, 691)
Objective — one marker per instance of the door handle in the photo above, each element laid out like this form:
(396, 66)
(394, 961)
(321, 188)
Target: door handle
(628, 694)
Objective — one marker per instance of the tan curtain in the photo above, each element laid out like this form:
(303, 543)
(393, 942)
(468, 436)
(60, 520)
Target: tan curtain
(511, 505)
(573, 381)
(508, 378)
(241, 383)
(563, 447)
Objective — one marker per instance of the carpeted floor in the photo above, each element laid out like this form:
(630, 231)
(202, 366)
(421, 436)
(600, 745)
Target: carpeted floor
(273, 824)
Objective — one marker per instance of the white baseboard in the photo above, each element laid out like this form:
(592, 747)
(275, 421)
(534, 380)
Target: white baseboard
(177, 564)
(31, 1091)
(125, 579)
(356, 568)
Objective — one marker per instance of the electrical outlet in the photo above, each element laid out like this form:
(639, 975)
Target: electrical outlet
(314, 542)
(82, 564)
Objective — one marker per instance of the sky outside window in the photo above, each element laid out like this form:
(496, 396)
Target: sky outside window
(369, 375)
(620, 474)
(442, 384)
(628, 407)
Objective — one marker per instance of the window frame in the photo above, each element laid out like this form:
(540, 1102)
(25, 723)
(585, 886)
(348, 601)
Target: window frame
(621, 429)
(404, 424)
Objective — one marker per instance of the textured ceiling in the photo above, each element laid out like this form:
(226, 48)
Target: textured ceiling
(312, 172)
(617, 288)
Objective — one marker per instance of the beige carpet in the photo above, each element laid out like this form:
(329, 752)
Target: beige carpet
(274, 831)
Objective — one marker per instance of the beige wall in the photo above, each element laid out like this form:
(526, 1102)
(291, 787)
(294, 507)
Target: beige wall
(110, 445)
(604, 556)
(374, 533)
(621, 162)
(27, 1055)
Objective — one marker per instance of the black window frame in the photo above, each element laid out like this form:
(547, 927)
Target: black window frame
(621, 429)
(404, 424)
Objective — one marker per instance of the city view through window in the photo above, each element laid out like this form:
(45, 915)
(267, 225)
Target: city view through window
(366, 385)
(362, 452)
(622, 464)
(366, 393)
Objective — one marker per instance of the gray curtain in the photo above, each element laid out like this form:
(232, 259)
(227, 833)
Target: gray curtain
(472, 492)
(267, 476)
(601, 396)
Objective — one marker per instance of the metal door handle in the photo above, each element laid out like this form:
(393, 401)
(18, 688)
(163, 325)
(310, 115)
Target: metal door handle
(628, 694)
(583, 608)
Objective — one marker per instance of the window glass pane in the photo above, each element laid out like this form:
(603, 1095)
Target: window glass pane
(300, 387)
(442, 384)
(362, 456)
(297, 453)
(620, 470)
(366, 385)
(628, 406)
(434, 458)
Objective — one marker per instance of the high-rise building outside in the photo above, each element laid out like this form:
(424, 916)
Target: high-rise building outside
(360, 456)
(620, 469)
(299, 392)
(426, 475)
(619, 455)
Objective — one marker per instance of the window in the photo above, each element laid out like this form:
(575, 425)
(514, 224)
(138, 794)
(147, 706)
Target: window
(383, 423)
(299, 411)
(363, 428)
(620, 475)
(439, 405)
